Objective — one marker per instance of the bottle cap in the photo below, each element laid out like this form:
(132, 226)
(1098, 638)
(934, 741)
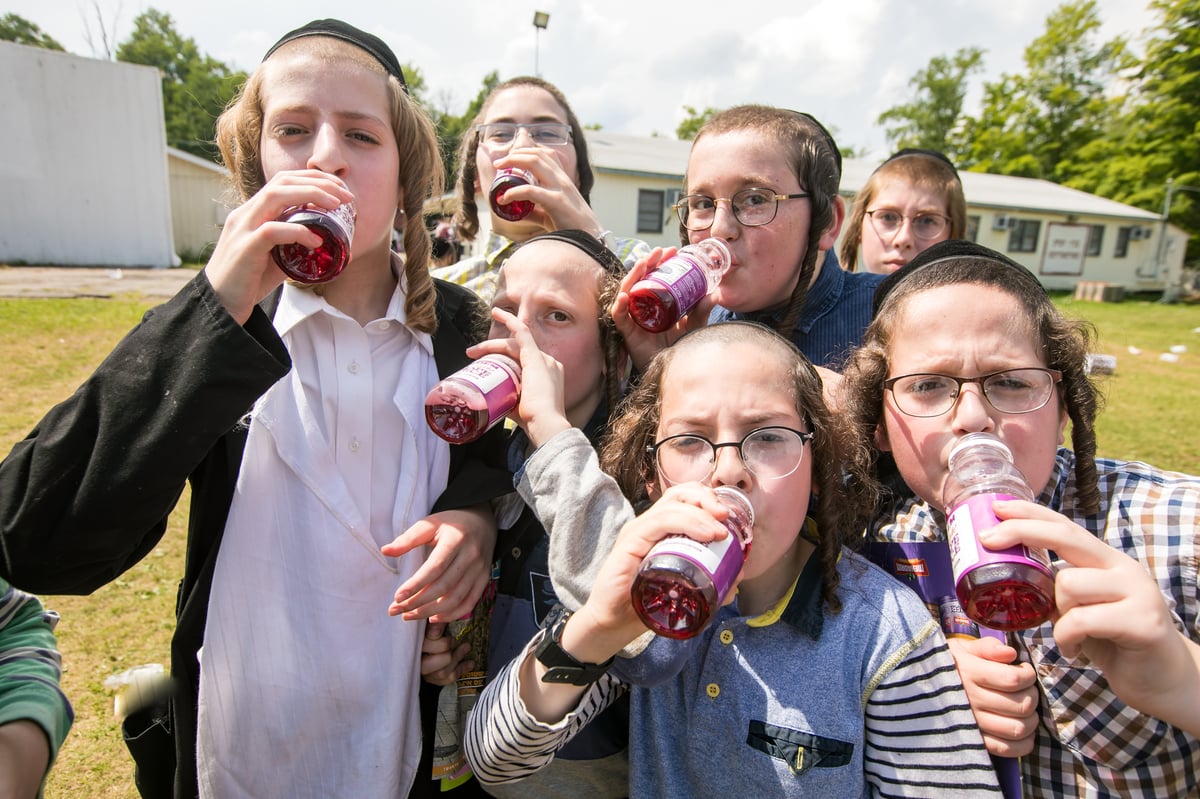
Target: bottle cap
(984, 439)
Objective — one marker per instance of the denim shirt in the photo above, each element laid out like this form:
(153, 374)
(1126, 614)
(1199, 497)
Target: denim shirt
(836, 313)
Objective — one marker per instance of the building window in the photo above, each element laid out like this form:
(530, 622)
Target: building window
(651, 203)
(1023, 235)
(1122, 246)
(1095, 239)
(973, 227)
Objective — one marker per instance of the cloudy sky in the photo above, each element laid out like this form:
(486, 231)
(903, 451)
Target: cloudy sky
(630, 65)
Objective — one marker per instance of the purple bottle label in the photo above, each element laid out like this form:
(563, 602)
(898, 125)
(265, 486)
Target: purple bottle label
(497, 383)
(967, 554)
(683, 278)
(720, 560)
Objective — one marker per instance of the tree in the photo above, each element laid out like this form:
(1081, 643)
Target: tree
(196, 87)
(14, 28)
(1157, 137)
(1036, 123)
(695, 120)
(933, 112)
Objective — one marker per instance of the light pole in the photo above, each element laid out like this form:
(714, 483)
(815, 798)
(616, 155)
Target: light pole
(540, 20)
(1171, 291)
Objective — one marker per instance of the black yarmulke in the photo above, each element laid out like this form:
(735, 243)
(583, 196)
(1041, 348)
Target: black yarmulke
(347, 33)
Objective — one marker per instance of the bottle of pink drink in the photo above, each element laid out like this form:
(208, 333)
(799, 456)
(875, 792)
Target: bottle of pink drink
(682, 582)
(1005, 589)
(336, 229)
(658, 300)
(505, 180)
(474, 399)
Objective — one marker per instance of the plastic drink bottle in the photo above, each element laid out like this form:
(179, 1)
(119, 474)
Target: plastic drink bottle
(682, 582)
(509, 179)
(658, 300)
(1005, 589)
(336, 229)
(473, 400)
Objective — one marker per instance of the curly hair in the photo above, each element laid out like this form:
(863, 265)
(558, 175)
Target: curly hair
(466, 217)
(1064, 344)
(239, 137)
(816, 162)
(842, 505)
(919, 170)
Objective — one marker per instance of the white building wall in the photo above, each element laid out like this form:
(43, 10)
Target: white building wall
(198, 204)
(83, 165)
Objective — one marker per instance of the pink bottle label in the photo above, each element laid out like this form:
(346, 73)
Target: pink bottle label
(966, 553)
(682, 277)
(495, 382)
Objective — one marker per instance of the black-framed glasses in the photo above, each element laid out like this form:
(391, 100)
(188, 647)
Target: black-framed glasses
(751, 207)
(768, 452)
(1010, 391)
(543, 134)
(887, 222)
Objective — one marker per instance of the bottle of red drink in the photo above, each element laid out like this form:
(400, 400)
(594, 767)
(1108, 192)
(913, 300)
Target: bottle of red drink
(509, 179)
(658, 300)
(682, 582)
(474, 399)
(1005, 589)
(336, 229)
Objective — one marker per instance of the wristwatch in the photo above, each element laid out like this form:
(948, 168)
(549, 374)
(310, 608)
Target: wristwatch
(561, 667)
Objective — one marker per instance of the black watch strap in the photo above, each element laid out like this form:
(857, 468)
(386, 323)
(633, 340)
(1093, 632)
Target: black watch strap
(561, 667)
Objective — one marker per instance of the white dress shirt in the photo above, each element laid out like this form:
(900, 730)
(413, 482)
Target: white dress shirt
(308, 688)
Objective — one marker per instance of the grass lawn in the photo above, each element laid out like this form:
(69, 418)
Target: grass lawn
(50, 346)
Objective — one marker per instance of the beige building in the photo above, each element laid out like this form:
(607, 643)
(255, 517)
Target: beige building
(1063, 235)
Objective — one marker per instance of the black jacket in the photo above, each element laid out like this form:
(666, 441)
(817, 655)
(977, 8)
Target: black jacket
(88, 493)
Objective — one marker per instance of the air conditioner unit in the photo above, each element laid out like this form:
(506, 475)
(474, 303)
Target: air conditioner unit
(1002, 222)
(1139, 233)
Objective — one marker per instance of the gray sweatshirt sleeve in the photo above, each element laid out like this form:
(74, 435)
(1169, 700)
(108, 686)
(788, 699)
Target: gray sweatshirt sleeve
(581, 508)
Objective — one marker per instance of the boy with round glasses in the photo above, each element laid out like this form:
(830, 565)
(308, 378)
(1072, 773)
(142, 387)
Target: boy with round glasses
(765, 180)
(1104, 699)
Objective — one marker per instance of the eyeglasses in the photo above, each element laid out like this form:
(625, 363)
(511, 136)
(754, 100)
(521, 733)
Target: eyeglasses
(924, 226)
(544, 134)
(768, 452)
(1011, 391)
(751, 207)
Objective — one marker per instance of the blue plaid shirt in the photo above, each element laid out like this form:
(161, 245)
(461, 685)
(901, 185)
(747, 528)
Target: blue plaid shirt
(1089, 743)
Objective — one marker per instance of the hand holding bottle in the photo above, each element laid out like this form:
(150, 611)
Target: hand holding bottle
(642, 344)
(241, 269)
(556, 201)
(689, 507)
(1112, 612)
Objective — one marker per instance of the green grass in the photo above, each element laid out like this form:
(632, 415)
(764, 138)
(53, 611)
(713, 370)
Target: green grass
(50, 346)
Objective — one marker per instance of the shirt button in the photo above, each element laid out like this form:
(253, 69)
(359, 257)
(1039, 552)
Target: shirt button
(354, 445)
(384, 325)
(352, 368)
(516, 552)
(727, 637)
(713, 690)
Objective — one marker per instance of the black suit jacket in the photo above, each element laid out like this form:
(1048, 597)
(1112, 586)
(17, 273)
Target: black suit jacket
(88, 493)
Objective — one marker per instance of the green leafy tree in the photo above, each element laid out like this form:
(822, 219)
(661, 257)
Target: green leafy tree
(933, 112)
(1157, 137)
(1036, 123)
(452, 127)
(196, 87)
(691, 124)
(14, 28)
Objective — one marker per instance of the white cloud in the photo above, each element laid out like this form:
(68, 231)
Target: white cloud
(631, 66)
